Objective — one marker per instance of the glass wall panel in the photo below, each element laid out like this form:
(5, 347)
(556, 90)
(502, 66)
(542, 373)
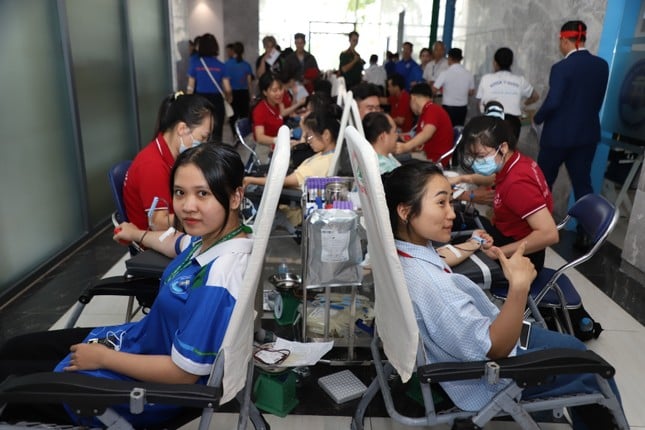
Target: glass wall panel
(150, 43)
(101, 70)
(41, 196)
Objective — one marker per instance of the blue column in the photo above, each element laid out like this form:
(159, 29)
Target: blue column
(620, 19)
(449, 23)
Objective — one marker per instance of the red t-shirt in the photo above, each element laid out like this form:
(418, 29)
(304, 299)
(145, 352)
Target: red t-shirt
(287, 99)
(148, 177)
(400, 107)
(441, 140)
(267, 116)
(520, 191)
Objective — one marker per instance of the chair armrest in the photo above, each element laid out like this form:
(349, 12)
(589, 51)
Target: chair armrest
(147, 264)
(121, 286)
(90, 396)
(287, 195)
(527, 369)
(290, 195)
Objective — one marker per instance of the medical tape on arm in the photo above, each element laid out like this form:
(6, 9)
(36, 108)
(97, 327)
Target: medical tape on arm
(454, 250)
(485, 271)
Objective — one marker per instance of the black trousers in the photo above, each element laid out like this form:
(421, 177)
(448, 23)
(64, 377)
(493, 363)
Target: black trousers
(457, 114)
(33, 353)
(515, 124)
(241, 107)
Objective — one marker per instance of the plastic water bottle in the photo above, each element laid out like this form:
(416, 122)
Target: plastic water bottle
(586, 325)
(283, 269)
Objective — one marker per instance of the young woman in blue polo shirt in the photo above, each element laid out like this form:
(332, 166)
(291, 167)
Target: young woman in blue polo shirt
(178, 340)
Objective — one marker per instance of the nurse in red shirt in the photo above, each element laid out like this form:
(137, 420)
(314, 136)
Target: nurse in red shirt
(266, 116)
(523, 204)
(433, 133)
(184, 121)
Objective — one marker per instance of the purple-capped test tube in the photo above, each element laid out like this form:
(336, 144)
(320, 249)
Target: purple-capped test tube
(342, 204)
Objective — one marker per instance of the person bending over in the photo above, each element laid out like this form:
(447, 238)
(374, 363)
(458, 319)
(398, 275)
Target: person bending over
(433, 133)
(178, 340)
(523, 205)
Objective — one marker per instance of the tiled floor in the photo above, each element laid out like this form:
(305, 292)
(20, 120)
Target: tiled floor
(622, 343)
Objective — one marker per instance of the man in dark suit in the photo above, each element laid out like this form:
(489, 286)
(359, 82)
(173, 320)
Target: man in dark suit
(570, 112)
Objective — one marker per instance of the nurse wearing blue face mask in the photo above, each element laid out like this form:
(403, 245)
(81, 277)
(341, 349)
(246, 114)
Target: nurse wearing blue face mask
(184, 121)
(523, 205)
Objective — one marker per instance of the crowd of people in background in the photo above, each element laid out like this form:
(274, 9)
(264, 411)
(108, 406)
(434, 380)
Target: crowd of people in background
(426, 99)
(426, 102)
(275, 90)
(405, 107)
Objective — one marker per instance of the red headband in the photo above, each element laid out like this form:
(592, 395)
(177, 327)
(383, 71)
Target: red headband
(570, 34)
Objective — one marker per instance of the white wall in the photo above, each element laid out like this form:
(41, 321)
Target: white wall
(530, 28)
(227, 20)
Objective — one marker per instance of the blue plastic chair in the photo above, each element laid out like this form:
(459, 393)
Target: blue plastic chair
(552, 289)
(243, 129)
(116, 177)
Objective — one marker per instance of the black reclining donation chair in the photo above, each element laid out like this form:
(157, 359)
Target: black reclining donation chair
(230, 377)
(143, 270)
(398, 334)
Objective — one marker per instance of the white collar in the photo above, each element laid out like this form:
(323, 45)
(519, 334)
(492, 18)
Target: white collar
(241, 245)
(574, 50)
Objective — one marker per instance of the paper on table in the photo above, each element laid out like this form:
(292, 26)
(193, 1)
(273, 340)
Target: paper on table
(302, 354)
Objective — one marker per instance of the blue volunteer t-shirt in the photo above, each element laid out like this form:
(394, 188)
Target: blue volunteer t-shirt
(238, 72)
(187, 321)
(203, 82)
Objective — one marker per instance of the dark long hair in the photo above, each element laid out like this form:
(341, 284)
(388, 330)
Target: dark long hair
(238, 49)
(325, 118)
(221, 166)
(208, 46)
(406, 185)
(486, 130)
(179, 107)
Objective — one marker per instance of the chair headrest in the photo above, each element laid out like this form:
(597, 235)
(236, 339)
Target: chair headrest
(243, 125)
(594, 214)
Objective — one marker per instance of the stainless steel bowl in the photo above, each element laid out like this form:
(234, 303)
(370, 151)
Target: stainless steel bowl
(285, 281)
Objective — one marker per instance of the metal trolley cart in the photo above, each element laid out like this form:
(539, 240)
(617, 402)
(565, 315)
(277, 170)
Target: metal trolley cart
(331, 260)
